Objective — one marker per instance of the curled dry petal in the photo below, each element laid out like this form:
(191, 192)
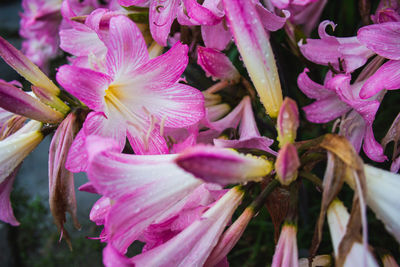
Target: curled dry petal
(222, 166)
(61, 181)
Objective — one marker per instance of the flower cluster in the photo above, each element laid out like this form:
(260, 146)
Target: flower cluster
(172, 160)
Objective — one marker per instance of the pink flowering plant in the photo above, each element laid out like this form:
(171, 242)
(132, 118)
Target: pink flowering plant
(215, 132)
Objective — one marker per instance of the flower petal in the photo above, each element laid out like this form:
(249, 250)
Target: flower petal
(127, 49)
(87, 85)
(386, 77)
(325, 110)
(382, 38)
(6, 212)
(161, 18)
(216, 64)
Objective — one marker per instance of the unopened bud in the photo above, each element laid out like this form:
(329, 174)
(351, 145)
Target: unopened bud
(288, 122)
(287, 164)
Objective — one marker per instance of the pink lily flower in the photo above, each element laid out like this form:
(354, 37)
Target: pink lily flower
(286, 253)
(303, 12)
(346, 52)
(250, 137)
(39, 26)
(336, 98)
(254, 47)
(185, 213)
(135, 96)
(199, 238)
(383, 39)
(148, 177)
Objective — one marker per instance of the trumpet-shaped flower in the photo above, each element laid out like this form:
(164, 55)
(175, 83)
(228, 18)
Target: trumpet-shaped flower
(250, 137)
(199, 238)
(254, 47)
(336, 98)
(286, 253)
(142, 189)
(382, 197)
(136, 95)
(347, 52)
(338, 218)
(13, 150)
(17, 146)
(383, 39)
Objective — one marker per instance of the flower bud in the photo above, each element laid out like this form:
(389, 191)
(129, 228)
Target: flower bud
(288, 122)
(286, 164)
(222, 166)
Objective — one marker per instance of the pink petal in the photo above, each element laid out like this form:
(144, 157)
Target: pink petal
(127, 49)
(325, 110)
(87, 85)
(216, 64)
(111, 256)
(371, 147)
(95, 124)
(175, 105)
(152, 144)
(100, 210)
(200, 13)
(81, 41)
(382, 38)
(386, 77)
(15, 100)
(271, 21)
(254, 47)
(312, 89)
(199, 238)
(6, 212)
(161, 18)
(165, 68)
(216, 36)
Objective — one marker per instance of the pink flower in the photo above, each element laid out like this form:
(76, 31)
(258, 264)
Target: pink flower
(193, 245)
(383, 39)
(142, 188)
(135, 96)
(346, 52)
(286, 253)
(336, 98)
(254, 47)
